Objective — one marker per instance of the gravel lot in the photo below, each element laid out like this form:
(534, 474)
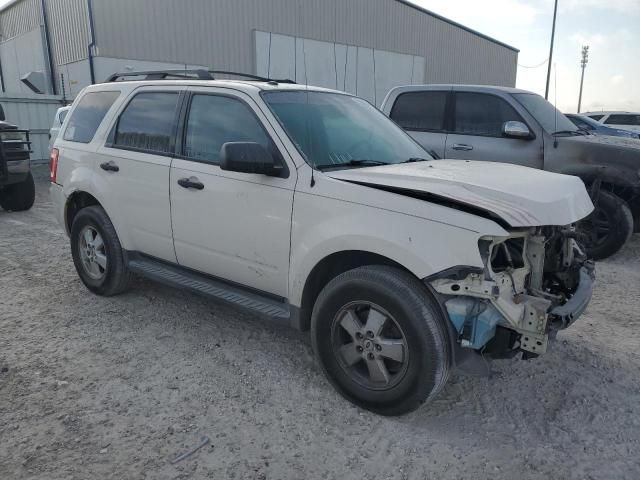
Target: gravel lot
(96, 387)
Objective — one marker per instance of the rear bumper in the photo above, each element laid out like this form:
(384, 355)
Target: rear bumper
(564, 315)
(59, 200)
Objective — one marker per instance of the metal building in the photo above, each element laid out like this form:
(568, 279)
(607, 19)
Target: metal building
(360, 46)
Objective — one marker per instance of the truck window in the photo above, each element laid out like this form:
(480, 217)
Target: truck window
(420, 111)
(481, 114)
(88, 115)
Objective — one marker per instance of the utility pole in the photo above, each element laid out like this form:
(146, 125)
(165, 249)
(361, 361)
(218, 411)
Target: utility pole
(553, 33)
(583, 64)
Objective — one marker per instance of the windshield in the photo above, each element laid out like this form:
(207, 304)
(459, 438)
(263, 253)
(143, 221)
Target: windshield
(549, 118)
(332, 130)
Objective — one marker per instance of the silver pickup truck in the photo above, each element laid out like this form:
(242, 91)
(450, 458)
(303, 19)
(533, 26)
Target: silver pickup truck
(500, 124)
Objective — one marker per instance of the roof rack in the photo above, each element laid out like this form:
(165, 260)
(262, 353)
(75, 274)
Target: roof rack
(196, 74)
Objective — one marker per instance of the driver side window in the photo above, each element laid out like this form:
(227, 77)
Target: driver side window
(214, 120)
(482, 114)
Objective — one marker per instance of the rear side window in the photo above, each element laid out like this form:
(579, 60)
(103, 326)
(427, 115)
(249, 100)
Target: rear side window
(596, 117)
(148, 123)
(88, 115)
(421, 111)
(481, 114)
(215, 120)
(618, 119)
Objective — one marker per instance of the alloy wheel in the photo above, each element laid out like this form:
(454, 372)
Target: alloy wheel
(370, 345)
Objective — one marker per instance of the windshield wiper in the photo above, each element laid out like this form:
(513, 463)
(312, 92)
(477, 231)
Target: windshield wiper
(353, 163)
(569, 132)
(415, 159)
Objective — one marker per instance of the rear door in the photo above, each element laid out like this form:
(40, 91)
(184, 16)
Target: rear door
(235, 226)
(423, 115)
(477, 132)
(133, 167)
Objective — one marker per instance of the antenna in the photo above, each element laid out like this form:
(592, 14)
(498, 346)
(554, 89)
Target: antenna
(583, 64)
(555, 101)
(306, 88)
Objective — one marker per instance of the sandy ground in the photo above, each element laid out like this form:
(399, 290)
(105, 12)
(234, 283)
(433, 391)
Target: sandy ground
(96, 387)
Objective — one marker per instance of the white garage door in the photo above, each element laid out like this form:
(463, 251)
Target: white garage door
(366, 72)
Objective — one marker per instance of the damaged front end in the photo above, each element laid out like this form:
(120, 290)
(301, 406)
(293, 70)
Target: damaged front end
(534, 282)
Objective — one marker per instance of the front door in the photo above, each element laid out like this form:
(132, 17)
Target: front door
(234, 226)
(477, 132)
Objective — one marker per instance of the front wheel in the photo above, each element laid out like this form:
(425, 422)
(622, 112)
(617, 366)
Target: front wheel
(608, 227)
(18, 197)
(381, 339)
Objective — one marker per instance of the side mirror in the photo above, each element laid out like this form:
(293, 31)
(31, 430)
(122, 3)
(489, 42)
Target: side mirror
(2, 117)
(249, 157)
(513, 129)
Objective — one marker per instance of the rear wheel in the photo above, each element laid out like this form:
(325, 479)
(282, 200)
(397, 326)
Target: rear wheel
(97, 254)
(381, 339)
(18, 197)
(608, 228)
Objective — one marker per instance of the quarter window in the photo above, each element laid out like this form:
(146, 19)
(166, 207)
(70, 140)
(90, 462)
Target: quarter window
(148, 123)
(481, 114)
(617, 119)
(422, 111)
(596, 117)
(88, 115)
(215, 120)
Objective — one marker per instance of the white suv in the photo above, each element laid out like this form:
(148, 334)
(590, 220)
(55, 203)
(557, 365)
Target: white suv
(310, 207)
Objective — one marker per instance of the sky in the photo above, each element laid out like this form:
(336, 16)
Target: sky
(611, 28)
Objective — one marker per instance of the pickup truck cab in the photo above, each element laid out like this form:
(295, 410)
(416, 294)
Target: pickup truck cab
(500, 124)
(308, 206)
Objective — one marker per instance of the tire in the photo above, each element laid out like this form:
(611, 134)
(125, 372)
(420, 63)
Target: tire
(608, 228)
(18, 197)
(413, 318)
(113, 276)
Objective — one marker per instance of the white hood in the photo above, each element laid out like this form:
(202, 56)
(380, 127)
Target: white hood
(521, 196)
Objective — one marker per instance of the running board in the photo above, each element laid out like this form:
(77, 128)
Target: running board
(176, 276)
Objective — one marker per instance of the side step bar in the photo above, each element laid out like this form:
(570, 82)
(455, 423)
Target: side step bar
(176, 276)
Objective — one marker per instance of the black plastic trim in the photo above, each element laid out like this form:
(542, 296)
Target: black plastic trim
(256, 301)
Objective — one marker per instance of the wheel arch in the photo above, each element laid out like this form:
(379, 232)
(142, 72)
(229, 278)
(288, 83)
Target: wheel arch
(78, 200)
(328, 268)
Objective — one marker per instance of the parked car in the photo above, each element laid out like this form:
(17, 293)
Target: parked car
(17, 190)
(616, 119)
(58, 118)
(509, 125)
(310, 207)
(589, 125)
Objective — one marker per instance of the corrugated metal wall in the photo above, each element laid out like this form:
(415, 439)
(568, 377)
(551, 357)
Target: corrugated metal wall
(34, 112)
(218, 33)
(20, 18)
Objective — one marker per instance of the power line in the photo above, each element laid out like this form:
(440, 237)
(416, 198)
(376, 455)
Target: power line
(535, 66)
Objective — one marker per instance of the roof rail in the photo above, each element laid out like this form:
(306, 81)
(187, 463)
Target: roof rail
(196, 74)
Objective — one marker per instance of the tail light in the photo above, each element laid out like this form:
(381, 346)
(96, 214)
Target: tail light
(53, 165)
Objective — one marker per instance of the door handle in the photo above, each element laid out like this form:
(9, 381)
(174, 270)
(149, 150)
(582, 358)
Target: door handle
(110, 166)
(191, 182)
(462, 146)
